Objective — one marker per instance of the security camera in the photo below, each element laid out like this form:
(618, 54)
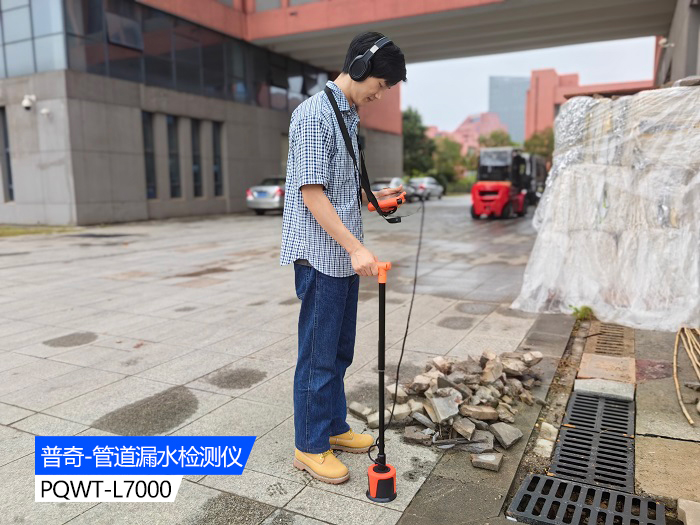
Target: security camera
(28, 101)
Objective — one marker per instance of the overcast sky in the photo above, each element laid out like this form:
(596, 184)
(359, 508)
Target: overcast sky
(445, 92)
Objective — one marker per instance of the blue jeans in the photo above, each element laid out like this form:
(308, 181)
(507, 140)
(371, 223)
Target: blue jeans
(327, 323)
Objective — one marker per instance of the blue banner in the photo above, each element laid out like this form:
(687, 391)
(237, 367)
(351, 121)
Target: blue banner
(141, 455)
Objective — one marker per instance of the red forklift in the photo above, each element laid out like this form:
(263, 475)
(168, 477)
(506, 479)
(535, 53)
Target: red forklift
(503, 185)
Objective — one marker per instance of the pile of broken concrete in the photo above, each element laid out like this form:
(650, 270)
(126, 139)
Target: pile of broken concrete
(467, 405)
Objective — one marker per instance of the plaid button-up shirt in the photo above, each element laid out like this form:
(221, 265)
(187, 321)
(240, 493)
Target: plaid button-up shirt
(318, 155)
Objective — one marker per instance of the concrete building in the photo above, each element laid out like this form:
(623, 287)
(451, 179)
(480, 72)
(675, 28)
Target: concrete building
(468, 132)
(549, 90)
(507, 97)
(116, 111)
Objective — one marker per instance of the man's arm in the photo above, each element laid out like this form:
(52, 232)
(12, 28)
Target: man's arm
(363, 261)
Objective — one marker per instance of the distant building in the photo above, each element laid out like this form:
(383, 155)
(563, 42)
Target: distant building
(507, 98)
(468, 132)
(549, 90)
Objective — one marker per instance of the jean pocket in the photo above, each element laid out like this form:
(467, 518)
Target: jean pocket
(301, 279)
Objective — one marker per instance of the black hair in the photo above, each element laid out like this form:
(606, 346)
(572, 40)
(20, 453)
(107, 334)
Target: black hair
(388, 63)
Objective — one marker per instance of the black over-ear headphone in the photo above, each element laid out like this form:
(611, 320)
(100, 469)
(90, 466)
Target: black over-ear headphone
(361, 65)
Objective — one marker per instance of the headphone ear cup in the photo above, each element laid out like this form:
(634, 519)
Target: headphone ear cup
(359, 69)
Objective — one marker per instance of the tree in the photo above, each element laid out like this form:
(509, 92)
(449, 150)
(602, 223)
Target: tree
(447, 159)
(495, 139)
(418, 149)
(541, 143)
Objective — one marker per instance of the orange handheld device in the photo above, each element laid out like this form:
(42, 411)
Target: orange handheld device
(389, 204)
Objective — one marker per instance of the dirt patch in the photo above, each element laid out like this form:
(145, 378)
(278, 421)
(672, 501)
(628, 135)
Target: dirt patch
(236, 379)
(70, 340)
(456, 323)
(230, 509)
(476, 308)
(419, 469)
(649, 369)
(206, 271)
(186, 309)
(153, 415)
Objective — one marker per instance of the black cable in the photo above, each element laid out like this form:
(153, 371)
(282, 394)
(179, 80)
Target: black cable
(405, 335)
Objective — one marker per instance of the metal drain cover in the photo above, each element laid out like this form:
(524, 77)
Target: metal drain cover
(600, 414)
(610, 339)
(543, 500)
(604, 459)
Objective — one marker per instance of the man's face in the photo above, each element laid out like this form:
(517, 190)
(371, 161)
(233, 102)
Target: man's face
(369, 90)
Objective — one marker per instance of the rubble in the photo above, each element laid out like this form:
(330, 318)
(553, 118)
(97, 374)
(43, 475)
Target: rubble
(506, 435)
(490, 461)
(401, 411)
(492, 370)
(401, 395)
(543, 448)
(479, 412)
(416, 435)
(423, 420)
(548, 431)
(467, 405)
(373, 419)
(359, 410)
(464, 427)
(442, 364)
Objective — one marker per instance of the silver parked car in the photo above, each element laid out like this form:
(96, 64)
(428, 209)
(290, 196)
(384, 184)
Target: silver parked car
(394, 183)
(426, 187)
(268, 195)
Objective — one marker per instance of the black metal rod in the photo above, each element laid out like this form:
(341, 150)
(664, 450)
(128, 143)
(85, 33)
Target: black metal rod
(381, 458)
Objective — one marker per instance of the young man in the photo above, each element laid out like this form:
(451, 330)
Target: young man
(322, 235)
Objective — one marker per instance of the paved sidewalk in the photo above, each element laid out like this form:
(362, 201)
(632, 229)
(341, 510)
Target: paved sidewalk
(187, 327)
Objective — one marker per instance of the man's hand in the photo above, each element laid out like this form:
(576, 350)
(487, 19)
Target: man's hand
(388, 192)
(364, 262)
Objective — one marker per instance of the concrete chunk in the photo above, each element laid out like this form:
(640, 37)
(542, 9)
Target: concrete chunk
(492, 371)
(373, 419)
(504, 414)
(548, 431)
(420, 383)
(482, 413)
(359, 410)
(469, 366)
(606, 388)
(480, 425)
(689, 512)
(445, 407)
(401, 395)
(423, 420)
(464, 427)
(485, 437)
(415, 435)
(532, 358)
(513, 367)
(487, 356)
(543, 448)
(442, 364)
(416, 406)
(401, 411)
(507, 435)
(488, 461)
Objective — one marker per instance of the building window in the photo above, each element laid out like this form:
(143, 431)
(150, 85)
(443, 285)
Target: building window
(174, 158)
(196, 159)
(149, 154)
(218, 167)
(6, 166)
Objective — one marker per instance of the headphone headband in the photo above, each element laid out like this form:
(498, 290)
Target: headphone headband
(361, 66)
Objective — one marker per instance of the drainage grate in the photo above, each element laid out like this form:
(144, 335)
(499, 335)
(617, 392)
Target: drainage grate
(610, 339)
(543, 500)
(600, 414)
(603, 459)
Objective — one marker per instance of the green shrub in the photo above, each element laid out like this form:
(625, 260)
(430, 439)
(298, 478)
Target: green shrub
(462, 185)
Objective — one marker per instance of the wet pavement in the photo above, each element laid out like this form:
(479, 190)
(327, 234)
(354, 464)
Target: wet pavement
(187, 327)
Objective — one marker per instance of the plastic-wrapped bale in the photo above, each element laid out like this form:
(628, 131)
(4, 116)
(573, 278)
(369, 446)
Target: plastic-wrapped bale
(619, 222)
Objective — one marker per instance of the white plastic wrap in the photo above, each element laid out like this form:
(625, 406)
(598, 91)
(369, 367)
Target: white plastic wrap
(619, 222)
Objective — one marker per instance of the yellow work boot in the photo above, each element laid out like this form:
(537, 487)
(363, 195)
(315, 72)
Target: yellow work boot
(351, 442)
(324, 467)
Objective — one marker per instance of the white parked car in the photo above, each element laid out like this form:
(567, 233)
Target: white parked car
(268, 195)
